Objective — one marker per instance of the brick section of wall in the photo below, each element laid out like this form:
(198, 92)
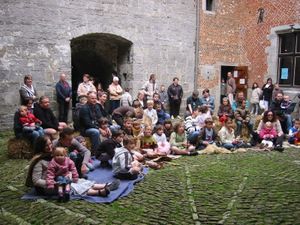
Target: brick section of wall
(232, 36)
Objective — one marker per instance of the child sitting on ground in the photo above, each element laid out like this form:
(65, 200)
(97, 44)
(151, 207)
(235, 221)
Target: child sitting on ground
(61, 172)
(106, 149)
(178, 141)
(150, 113)
(29, 122)
(123, 164)
(225, 110)
(127, 125)
(204, 113)
(126, 99)
(161, 114)
(294, 132)
(81, 140)
(105, 132)
(163, 146)
(168, 128)
(148, 144)
(137, 129)
(242, 116)
(227, 137)
(285, 103)
(268, 134)
(208, 135)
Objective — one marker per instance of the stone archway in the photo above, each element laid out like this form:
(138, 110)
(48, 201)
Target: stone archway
(98, 54)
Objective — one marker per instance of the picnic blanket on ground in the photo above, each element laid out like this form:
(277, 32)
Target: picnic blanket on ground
(101, 176)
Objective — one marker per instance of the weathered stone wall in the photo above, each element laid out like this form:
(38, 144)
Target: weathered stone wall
(35, 39)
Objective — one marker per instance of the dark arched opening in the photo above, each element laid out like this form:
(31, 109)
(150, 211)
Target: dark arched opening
(98, 55)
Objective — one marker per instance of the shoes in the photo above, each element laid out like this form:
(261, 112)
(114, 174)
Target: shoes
(106, 191)
(247, 145)
(270, 148)
(113, 185)
(60, 197)
(279, 148)
(172, 117)
(178, 117)
(261, 145)
(193, 153)
(83, 176)
(66, 197)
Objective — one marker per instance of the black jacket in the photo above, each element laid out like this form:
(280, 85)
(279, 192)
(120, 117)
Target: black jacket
(46, 116)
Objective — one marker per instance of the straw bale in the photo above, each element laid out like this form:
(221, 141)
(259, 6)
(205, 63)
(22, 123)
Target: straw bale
(19, 148)
(213, 149)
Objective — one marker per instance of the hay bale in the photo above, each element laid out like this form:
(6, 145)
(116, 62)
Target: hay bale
(239, 150)
(19, 148)
(257, 121)
(213, 149)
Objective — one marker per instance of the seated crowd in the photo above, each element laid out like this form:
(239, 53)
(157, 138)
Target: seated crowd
(123, 137)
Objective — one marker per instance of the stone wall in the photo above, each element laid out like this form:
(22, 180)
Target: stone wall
(35, 39)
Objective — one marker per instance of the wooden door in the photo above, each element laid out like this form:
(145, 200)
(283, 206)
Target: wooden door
(240, 74)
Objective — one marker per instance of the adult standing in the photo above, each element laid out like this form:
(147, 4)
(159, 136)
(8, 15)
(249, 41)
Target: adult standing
(43, 112)
(175, 94)
(150, 87)
(208, 100)
(89, 116)
(267, 89)
(27, 91)
(192, 103)
(85, 87)
(230, 87)
(270, 116)
(64, 96)
(81, 159)
(115, 91)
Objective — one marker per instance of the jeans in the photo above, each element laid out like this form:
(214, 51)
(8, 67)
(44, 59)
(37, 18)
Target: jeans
(240, 124)
(94, 134)
(193, 138)
(31, 133)
(289, 122)
(230, 145)
(63, 110)
(113, 105)
(255, 108)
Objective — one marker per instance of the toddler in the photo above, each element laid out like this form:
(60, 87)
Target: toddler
(126, 99)
(90, 164)
(163, 145)
(268, 134)
(123, 164)
(285, 103)
(163, 96)
(105, 132)
(150, 113)
(168, 128)
(106, 149)
(161, 114)
(227, 137)
(208, 135)
(61, 172)
(242, 116)
(225, 110)
(29, 122)
(178, 141)
(294, 132)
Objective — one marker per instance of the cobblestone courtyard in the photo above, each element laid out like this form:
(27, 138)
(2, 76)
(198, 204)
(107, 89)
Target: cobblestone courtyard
(243, 188)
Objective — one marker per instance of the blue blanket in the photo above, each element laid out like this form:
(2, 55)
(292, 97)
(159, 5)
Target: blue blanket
(101, 176)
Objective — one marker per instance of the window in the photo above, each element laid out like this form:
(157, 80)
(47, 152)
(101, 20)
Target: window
(289, 59)
(209, 5)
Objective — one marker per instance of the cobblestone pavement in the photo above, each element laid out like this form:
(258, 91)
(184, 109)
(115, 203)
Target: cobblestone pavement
(242, 188)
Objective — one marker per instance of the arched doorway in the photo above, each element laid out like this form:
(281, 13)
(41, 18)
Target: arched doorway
(98, 54)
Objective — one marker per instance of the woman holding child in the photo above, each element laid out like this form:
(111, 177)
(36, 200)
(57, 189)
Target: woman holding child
(37, 174)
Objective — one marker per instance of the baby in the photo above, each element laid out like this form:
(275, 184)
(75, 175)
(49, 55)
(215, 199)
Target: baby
(285, 103)
(268, 134)
(29, 122)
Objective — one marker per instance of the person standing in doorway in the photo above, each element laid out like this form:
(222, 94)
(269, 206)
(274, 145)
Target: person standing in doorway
(175, 94)
(230, 87)
(64, 96)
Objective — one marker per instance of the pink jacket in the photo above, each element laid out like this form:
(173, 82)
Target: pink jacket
(264, 131)
(55, 169)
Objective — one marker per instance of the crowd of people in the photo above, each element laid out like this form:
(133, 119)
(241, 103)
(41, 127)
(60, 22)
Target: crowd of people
(129, 131)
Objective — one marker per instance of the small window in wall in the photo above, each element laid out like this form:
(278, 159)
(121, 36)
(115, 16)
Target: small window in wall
(289, 59)
(208, 5)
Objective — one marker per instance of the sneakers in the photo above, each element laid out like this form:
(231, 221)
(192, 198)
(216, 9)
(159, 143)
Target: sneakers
(172, 117)
(113, 185)
(247, 145)
(60, 197)
(66, 197)
(261, 145)
(193, 153)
